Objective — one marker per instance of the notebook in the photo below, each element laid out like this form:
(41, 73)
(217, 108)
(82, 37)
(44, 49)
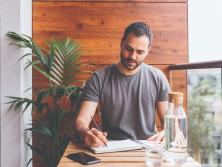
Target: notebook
(121, 145)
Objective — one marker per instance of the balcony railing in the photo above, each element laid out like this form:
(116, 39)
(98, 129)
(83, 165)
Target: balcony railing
(204, 99)
(198, 65)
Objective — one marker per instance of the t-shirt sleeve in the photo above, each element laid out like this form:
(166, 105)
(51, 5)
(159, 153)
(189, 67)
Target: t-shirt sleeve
(164, 87)
(91, 90)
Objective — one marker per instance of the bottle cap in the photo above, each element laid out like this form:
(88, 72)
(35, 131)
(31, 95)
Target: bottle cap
(176, 97)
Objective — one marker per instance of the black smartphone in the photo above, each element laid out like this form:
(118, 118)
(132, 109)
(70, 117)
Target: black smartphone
(83, 158)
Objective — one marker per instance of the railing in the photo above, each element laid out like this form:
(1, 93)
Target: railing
(203, 117)
(198, 65)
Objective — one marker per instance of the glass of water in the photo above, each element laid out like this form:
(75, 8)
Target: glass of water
(153, 154)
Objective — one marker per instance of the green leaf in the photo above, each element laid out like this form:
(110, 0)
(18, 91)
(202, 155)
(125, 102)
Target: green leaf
(40, 96)
(25, 55)
(59, 64)
(51, 56)
(29, 162)
(17, 102)
(31, 63)
(43, 72)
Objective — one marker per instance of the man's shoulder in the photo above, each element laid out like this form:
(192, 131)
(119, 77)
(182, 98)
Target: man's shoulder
(104, 71)
(151, 69)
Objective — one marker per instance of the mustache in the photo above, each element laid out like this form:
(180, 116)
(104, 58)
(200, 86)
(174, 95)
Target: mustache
(131, 60)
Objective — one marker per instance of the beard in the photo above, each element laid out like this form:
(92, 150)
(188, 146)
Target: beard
(129, 64)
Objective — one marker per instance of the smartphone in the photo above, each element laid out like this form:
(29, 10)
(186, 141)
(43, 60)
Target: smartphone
(83, 158)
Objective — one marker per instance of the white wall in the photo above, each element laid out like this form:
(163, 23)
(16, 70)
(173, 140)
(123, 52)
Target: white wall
(205, 30)
(15, 15)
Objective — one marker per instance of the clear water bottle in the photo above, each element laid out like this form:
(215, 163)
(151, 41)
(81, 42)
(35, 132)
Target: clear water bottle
(175, 130)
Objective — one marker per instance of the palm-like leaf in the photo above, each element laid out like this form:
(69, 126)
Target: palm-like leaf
(65, 65)
(17, 102)
(40, 63)
(50, 128)
(59, 65)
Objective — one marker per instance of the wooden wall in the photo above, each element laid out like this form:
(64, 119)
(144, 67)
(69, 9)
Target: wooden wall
(98, 26)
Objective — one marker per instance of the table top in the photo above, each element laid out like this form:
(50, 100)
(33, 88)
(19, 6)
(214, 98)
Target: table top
(133, 158)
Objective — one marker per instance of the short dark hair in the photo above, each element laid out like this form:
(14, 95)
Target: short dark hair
(139, 29)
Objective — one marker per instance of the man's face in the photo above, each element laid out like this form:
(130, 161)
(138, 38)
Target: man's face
(134, 51)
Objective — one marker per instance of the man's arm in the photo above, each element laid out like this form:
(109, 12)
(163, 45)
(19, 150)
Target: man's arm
(87, 111)
(91, 137)
(161, 108)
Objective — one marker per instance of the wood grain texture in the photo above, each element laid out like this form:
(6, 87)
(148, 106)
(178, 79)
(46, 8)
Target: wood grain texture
(40, 82)
(99, 27)
(133, 158)
(150, 1)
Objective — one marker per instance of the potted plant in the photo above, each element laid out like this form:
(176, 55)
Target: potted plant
(54, 105)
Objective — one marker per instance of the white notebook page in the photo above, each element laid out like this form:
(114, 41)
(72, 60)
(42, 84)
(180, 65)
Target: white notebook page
(118, 145)
(123, 145)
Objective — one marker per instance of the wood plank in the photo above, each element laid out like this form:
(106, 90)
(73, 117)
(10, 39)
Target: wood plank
(132, 161)
(98, 26)
(178, 83)
(119, 159)
(99, 32)
(39, 80)
(126, 154)
(73, 164)
(122, 158)
(116, 159)
(150, 1)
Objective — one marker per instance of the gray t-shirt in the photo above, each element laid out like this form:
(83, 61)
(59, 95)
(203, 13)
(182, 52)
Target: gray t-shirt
(128, 103)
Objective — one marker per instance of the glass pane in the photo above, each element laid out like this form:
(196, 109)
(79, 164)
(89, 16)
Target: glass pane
(205, 116)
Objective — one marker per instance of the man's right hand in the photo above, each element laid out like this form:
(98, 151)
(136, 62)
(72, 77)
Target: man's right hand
(94, 138)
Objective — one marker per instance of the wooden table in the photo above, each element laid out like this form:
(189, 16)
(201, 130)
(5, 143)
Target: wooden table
(134, 158)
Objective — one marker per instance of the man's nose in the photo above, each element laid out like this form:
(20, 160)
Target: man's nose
(132, 55)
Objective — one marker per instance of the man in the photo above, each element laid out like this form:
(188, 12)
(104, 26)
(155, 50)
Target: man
(129, 93)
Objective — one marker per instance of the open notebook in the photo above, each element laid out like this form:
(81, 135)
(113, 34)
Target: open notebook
(121, 145)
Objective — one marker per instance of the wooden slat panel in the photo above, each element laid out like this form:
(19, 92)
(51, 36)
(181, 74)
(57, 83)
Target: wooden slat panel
(74, 164)
(141, 164)
(99, 27)
(132, 158)
(39, 81)
(113, 154)
(122, 164)
(153, 1)
(178, 83)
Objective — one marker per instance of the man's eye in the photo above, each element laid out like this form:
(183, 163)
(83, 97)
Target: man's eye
(140, 52)
(128, 48)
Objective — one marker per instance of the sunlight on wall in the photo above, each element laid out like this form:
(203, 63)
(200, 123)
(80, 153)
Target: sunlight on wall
(205, 30)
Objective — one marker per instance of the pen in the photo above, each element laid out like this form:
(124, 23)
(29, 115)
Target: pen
(97, 127)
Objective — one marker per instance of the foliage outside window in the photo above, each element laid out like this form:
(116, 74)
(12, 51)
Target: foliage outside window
(204, 93)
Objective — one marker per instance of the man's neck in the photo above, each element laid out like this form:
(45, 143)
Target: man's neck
(125, 71)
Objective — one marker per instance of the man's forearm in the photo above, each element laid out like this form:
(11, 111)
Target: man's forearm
(162, 123)
(162, 107)
(81, 127)
(87, 110)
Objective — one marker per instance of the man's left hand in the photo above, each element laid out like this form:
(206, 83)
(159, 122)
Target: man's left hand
(158, 137)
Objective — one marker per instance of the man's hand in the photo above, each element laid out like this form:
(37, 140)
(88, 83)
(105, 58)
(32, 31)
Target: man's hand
(158, 137)
(94, 138)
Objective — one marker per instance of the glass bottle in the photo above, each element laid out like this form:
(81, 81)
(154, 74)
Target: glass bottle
(175, 129)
